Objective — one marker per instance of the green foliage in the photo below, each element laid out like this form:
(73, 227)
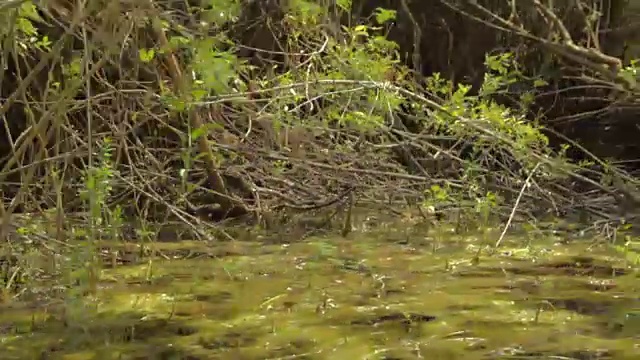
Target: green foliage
(631, 73)
(146, 55)
(305, 13)
(630, 251)
(23, 17)
(214, 69)
(104, 222)
(345, 77)
(98, 181)
(490, 126)
(220, 11)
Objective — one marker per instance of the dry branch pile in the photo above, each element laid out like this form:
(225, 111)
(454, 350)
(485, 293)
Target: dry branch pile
(96, 90)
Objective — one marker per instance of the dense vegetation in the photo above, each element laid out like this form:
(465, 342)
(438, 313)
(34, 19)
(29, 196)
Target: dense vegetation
(130, 123)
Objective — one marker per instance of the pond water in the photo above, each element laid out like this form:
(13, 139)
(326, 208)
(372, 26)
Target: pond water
(384, 294)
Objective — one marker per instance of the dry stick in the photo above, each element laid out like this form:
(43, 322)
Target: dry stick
(44, 60)
(390, 87)
(603, 64)
(11, 4)
(45, 120)
(55, 50)
(411, 95)
(40, 128)
(216, 181)
(515, 207)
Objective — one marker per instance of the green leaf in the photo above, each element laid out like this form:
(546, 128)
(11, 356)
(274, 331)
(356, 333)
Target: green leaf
(29, 10)
(344, 5)
(361, 30)
(384, 15)
(540, 82)
(198, 94)
(146, 55)
(203, 130)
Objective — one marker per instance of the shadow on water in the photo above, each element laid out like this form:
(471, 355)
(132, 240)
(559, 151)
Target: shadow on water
(368, 297)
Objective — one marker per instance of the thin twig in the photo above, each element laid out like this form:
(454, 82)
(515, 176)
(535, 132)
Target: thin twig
(515, 207)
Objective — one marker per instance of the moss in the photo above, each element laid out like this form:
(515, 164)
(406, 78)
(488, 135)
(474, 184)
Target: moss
(440, 294)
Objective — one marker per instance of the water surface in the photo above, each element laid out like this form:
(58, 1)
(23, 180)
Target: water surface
(383, 294)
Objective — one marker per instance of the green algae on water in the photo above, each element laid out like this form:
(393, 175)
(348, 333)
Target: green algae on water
(372, 296)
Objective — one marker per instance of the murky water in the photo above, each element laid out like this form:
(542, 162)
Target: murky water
(376, 295)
